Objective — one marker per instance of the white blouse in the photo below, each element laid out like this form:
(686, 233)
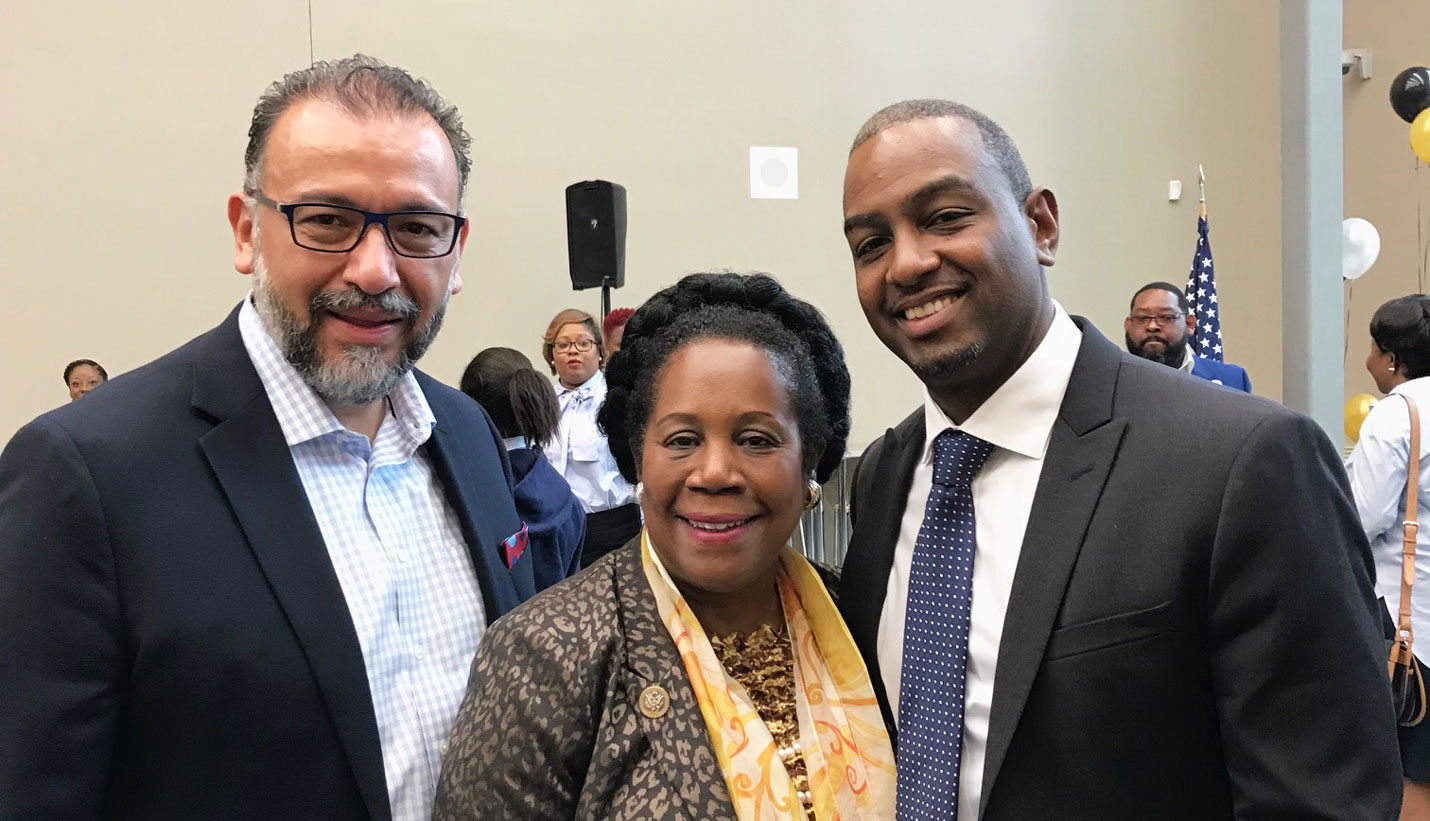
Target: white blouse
(581, 453)
(1377, 472)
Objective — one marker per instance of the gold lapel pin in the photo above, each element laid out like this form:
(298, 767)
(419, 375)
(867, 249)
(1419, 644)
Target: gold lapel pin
(654, 701)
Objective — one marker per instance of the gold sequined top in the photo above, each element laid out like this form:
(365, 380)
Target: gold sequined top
(763, 663)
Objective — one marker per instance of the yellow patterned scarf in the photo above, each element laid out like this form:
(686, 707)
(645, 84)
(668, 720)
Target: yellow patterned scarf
(841, 732)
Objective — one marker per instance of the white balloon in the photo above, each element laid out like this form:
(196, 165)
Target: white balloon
(1360, 246)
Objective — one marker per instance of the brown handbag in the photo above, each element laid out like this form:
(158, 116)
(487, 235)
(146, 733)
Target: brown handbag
(1407, 682)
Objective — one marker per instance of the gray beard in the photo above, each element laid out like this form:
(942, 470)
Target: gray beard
(359, 375)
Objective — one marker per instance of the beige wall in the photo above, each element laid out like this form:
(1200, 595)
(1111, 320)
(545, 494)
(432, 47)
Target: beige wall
(125, 123)
(1384, 182)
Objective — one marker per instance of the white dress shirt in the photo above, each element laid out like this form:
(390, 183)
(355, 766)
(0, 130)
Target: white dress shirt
(1377, 469)
(581, 453)
(1188, 360)
(1018, 420)
(397, 548)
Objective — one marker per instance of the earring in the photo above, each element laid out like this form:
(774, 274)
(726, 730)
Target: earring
(1391, 369)
(640, 491)
(813, 493)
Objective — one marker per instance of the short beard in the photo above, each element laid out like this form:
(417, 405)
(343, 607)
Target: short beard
(359, 375)
(1171, 355)
(935, 370)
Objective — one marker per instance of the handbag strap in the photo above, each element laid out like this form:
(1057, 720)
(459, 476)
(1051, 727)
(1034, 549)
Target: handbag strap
(1406, 632)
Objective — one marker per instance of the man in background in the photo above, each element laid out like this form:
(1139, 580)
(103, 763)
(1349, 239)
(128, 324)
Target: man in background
(247, 579)
(1159, 326)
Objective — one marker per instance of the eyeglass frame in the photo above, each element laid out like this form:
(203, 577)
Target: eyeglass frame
(1159, 320)
(370, 218)
(573, 343)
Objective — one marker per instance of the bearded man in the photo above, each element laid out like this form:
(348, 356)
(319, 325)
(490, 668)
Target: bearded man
(1159, 326)
(248, 580)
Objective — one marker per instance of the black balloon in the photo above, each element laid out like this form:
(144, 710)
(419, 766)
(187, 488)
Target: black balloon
(1410, 92)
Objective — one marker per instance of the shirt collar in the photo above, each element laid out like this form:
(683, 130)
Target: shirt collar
(595, 386)
(1019, 415)
(1188, 359)
(302, 414)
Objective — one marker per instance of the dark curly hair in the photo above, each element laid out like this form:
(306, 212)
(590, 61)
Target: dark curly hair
(750, 308)
(1401, 328)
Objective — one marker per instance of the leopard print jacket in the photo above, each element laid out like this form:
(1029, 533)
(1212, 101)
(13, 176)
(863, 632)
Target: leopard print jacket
(552, 725)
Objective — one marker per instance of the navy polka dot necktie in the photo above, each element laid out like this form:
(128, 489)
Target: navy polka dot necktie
(936, 634)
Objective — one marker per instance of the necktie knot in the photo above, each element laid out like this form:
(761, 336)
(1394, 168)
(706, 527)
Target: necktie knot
(957, 458)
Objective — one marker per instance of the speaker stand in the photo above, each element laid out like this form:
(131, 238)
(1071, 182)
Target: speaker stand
(605, 300)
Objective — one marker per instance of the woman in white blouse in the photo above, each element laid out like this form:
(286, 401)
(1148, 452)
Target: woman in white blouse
(1399, 362)
(575, 351)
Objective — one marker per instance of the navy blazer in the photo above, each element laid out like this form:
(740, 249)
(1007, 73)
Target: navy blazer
(555, 522)
(174, 638)
(1222, 373)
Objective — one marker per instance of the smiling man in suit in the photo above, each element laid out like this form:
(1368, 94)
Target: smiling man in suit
(1057, 634)
(247, 580)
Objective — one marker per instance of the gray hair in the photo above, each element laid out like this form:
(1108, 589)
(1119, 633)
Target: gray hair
(995, 140)
(360, 85)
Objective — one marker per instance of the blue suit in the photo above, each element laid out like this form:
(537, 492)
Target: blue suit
(1232, 376)
(175, 641)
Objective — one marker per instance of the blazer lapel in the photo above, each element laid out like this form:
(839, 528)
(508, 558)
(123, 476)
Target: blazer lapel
(1083, 447)
(448, 452)
(255, 471)
(676, 736)
(864, 579)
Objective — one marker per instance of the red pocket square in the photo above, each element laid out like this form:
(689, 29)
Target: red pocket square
(514, 545)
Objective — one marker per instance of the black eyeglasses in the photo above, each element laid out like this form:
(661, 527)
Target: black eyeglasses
(1165, 320)
(581, 345)
(337, 229)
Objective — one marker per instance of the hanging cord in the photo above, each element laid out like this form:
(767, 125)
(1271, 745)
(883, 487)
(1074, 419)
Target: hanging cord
(311, 58)
(1346, 332)
(1419, 229)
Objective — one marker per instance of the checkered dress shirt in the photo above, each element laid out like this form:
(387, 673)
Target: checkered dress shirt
(400, 557)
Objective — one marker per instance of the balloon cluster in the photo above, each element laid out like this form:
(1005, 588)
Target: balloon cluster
(1410, 97)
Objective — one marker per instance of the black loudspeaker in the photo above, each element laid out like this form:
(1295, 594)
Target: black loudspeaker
(596, 234)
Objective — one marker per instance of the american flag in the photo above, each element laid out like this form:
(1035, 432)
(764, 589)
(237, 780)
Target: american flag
(1201, 295)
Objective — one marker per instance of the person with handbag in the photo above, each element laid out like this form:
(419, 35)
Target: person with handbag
(1387, 499)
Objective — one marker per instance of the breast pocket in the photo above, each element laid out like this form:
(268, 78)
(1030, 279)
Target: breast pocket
(1110, 631)
(587, 443)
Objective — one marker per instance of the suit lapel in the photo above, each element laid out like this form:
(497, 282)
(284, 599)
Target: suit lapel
(255, 471)
(676, 736)
(447, 452)
(864, 579)
(1083, 447)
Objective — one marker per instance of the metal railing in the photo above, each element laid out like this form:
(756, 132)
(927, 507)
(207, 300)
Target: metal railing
(823, 533)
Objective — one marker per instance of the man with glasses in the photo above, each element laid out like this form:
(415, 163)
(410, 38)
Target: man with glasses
(1159, 327)
(249, 578)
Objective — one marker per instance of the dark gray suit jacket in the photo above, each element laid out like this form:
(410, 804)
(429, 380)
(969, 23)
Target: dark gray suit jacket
(174, 642)
(1192, 630)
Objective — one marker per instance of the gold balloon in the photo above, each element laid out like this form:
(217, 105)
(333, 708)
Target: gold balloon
(1357, 407)
(1420, 135)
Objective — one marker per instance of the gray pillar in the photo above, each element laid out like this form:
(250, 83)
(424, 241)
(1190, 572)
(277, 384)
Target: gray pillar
(1312, 332)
